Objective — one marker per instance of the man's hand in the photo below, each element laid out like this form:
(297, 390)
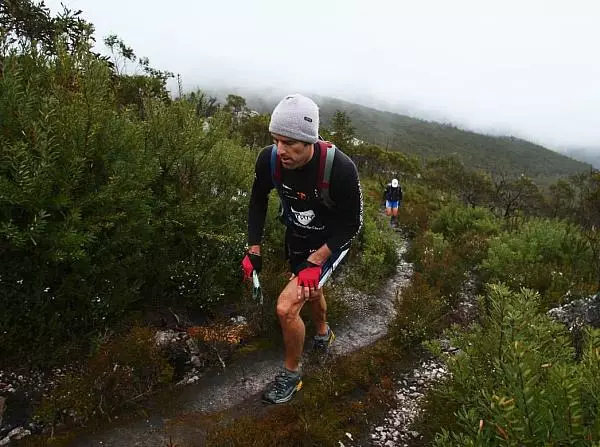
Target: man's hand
(251, 262)
(308, 280)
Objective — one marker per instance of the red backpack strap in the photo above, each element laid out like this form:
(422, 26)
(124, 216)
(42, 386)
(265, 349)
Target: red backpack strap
(325, 165)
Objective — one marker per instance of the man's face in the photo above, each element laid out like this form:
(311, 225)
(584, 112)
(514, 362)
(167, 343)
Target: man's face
(293, 154)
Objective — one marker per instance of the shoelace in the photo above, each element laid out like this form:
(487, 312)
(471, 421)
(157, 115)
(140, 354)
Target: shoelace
(281, 381)
(321, 343)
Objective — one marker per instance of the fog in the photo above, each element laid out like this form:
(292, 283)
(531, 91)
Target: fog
(528, 68)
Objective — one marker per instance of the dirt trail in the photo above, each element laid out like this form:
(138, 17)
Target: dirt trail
(241, 382)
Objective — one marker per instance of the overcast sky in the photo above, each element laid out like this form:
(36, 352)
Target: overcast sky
(530, 68)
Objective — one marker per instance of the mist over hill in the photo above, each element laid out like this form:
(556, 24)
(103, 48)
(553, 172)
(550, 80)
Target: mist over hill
(427, 138)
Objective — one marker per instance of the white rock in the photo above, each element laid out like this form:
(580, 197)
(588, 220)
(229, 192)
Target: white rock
(195, 360)
(18, 433)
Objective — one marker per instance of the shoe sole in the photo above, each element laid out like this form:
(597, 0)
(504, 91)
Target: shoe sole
(287, 398)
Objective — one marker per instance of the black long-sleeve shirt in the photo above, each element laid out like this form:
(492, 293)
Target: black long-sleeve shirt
(393, 194)
(306, 214)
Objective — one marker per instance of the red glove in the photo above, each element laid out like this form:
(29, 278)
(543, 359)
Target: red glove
(251, 262)
(309, 276)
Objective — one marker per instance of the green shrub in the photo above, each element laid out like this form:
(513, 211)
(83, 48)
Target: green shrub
(105, 210)
(374, 255)
(122, 370)
(440, 264)
(454, 221)
(549, 256)
(417, 207)
(516, 380)
(419, 313)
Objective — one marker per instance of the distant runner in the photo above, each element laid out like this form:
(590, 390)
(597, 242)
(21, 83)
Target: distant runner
(393, 200)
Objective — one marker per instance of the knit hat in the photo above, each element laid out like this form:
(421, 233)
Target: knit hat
(296, 117)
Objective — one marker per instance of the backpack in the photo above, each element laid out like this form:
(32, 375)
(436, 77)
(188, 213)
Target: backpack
(325, 165)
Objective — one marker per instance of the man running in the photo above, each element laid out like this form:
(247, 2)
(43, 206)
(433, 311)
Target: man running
(321, 203)
(393, 199)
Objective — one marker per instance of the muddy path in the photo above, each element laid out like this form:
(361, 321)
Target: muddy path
(241, 382)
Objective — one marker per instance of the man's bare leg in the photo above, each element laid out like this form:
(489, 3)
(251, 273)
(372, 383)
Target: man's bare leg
(318, 308)
(292, 326)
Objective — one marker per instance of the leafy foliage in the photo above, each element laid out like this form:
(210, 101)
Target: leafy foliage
(342, 132)
(453, 221)
(516, 381)
(449, 174)
(122, 370)
(419, 314)
(103, 209)
(549, 256)
(374, 256)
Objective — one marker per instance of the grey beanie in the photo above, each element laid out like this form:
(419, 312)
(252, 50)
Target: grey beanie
(296, 117)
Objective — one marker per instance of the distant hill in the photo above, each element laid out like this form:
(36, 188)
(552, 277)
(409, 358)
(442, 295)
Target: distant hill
(428, 139)
(586, 155)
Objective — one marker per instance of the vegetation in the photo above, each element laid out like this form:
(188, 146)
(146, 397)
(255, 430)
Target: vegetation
(520, 378)
(118, 199)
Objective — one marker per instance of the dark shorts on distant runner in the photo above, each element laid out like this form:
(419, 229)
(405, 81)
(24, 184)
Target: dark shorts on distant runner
(298, 249)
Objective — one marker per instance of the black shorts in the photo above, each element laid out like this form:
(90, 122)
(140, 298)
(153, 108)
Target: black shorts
(298, 249)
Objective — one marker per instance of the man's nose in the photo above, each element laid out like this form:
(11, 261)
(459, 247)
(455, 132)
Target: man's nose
(280, 148)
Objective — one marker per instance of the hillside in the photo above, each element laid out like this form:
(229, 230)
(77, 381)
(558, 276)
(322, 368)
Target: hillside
(428, 139)
(586, 155)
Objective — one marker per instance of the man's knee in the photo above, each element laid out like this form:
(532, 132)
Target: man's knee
(316, 295)
(287, 308)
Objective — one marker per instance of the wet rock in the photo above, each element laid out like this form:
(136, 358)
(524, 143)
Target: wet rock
(584, 311)
(164, 338)
(239, 320)
(195, 360)
(412, 387)
(18, 433)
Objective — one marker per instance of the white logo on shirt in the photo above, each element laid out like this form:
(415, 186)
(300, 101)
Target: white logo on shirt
(304, 217)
